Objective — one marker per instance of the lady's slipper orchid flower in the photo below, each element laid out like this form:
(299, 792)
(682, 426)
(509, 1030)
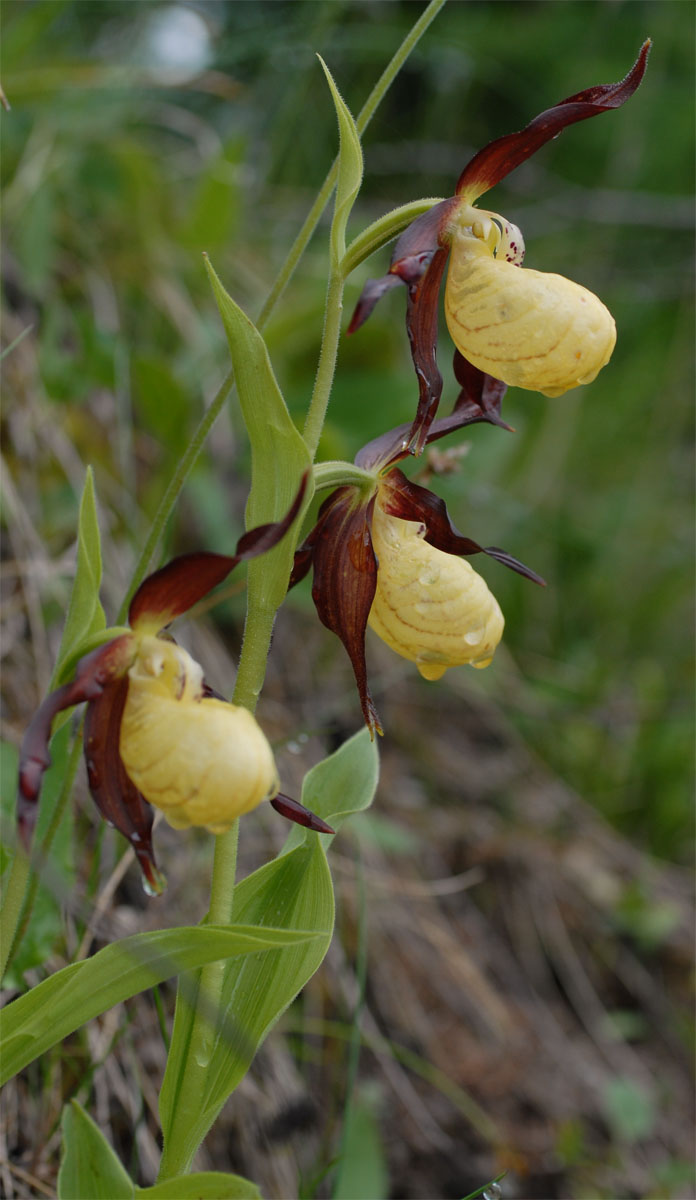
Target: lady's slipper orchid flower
(155, 733)
(385, 553)
(526, 328)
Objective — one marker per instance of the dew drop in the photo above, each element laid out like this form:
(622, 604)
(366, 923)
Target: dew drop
(473, 637)
(203, 1056)
(492, 1192)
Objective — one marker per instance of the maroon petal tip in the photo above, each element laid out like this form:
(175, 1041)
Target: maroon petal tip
(176, 587)
(292, 810)
(500, 157)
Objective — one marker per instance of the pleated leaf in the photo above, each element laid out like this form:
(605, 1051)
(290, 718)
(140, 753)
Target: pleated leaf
(294, 891)
(59, 1005)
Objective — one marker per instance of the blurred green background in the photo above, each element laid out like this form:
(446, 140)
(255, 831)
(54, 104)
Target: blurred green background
(141, 135)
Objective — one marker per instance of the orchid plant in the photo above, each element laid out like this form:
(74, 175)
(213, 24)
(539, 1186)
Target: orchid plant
(384, 553)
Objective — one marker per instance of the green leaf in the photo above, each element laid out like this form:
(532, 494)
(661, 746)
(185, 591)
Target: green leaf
(60, 1004)
(336, 787)
(350, 169)
(294, 891)
(85, 613)
(206, 1185)
(362, 1172)
(89, 1169)
(279, 456)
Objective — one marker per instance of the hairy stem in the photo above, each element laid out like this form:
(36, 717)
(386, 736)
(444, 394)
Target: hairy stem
(327, 362)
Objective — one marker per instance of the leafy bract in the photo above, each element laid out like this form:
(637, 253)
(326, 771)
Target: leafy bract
(350, 170)
(279, 456)
(294, 891)
(85, 612)
(62, 1003)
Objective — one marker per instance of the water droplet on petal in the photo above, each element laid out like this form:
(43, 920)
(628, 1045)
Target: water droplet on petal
(473, 637)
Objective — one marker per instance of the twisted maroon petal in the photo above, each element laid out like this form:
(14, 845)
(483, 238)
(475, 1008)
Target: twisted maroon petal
(481, 394)
(184, 581)
(93, 674)
(113, 792)
(418, 261)
(345, 578)
(501, 156)
(294, 811)
(479, 400)
(402, 498)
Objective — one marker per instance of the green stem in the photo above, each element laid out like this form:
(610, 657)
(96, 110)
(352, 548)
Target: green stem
(327, 362)
(396, 63)
(341, 474)
(382, 231)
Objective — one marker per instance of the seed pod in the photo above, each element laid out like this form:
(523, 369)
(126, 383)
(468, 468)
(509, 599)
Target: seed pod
(200, 760)
(430, 607)
(528, 328)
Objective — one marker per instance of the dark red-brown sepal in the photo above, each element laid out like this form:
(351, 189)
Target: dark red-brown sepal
(501, 156)
(176, 587)
(345, 579)
(93, 674)
(294, 811)
(419, 261)
(414, 503)
(113, 792)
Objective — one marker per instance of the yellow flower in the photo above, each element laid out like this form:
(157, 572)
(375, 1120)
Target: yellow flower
(200, 760)
(530, 329)
(386, 554)
(430, 607)
(526, 328)
(155, 734)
